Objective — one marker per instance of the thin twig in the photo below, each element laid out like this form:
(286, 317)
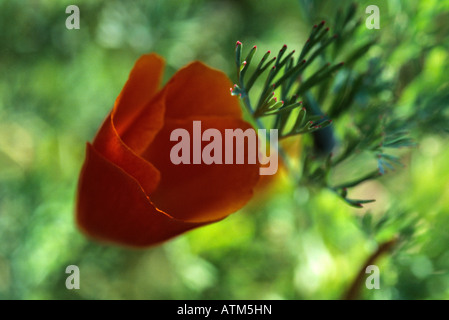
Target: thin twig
(354, 289)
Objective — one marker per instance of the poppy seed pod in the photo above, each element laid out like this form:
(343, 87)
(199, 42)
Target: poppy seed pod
(129, 192)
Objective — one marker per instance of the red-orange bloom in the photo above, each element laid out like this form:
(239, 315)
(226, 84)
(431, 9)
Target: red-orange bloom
(129, 191)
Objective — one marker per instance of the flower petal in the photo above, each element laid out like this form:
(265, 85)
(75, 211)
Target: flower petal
(112, 207)
(200, 192)
(110, 146)
(120, 139)
(143, 83)
(198, 90)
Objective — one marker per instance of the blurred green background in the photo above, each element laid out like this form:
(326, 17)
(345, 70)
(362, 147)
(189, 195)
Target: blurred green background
(57, 85)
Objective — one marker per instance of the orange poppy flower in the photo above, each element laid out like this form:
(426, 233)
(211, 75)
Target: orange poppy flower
(129, 191)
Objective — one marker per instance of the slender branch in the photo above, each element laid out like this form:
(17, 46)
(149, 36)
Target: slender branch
(353, 292)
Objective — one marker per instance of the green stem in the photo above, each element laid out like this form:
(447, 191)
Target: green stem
(260, 125)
